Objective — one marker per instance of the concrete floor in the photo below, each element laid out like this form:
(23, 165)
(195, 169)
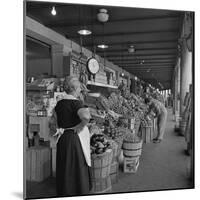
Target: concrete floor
(162, 166)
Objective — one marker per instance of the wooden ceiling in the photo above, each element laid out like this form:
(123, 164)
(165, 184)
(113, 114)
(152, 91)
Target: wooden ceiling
(154, 34)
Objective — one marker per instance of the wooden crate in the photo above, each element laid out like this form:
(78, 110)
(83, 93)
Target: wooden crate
(114, 169)
(147, 133)
(38, 163)
(131, 164)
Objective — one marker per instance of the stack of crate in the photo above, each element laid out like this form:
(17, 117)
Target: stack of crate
(38, 163)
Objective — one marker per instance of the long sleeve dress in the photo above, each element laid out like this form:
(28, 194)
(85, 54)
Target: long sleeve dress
(73, 175)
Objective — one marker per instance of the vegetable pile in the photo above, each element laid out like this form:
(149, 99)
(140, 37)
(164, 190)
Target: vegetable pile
(130, 137)
(99, 144)
(146, 122)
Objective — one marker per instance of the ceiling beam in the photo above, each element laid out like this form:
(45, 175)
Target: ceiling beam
(149, 65)
(96, 23)
(145, 61)
(137, 49)
(144, 58)
(149, 69)
(134, 42)
(138, 57)
(135, 55)
(122, 34)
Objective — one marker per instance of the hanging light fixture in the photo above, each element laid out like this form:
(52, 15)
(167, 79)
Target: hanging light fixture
(131, 49)
(84, 31)
(103, 45)
(103, 16)
(53, 11)
(83, 28)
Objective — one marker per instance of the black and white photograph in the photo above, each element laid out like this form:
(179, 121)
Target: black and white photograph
(108, 99)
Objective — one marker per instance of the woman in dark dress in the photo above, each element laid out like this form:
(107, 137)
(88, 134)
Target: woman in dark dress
(72, 170)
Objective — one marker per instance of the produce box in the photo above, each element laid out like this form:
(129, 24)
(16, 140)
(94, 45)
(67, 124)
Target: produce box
(147, 133)
(114, 172)
(131, 164)
(38, 163)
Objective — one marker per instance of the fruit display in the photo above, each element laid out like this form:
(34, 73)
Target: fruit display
(146, 121)
(130, 137)
(94, 129)
(99, 144)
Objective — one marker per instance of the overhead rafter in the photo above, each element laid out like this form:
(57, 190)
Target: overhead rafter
(135, 42)
(129, 33)
(138, 57)
(138, 49)
(154, 18)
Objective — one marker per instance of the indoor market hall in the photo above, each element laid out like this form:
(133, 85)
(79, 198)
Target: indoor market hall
(109, 105)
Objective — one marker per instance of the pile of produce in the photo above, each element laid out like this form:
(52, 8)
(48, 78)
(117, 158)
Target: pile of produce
(94, 129)
(113, 132)
(147, 121)
(130, 137)
(99, 144)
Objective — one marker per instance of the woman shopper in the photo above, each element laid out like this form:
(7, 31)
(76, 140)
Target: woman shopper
(73, 161)
(161, 113)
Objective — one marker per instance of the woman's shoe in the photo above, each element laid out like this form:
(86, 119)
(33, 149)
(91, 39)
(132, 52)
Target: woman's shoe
(157, 140)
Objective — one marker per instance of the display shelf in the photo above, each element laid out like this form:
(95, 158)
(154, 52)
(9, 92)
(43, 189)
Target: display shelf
(101, 84)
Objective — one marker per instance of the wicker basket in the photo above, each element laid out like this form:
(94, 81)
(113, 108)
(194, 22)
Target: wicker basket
(101, 185)
(101, 164)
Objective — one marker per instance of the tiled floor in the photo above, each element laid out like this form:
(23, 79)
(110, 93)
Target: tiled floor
(162, 166)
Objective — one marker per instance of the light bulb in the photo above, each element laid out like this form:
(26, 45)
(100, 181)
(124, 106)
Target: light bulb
(84, 32)
(102, 46)
(53, 11)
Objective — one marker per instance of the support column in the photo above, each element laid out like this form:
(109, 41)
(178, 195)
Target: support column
(186, 75)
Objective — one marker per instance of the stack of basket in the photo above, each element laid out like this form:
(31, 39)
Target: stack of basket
(101, 164)
(132, 149)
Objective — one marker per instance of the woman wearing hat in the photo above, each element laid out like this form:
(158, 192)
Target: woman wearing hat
(73, 146)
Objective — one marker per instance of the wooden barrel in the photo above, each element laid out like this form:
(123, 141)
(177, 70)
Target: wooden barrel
(101, 185)
(114, 172)
(147, 133)
(101, 164)
(183, 125)
(132, 149)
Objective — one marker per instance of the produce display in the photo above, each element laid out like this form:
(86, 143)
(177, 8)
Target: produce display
(130, 137)
(147, 121)
(99, 144)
